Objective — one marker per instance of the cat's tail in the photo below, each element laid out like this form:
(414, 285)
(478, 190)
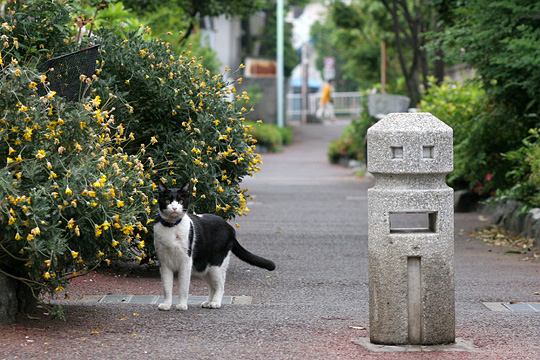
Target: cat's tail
(250, 258)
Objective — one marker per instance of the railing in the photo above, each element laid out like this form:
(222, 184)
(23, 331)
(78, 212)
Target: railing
(346, 105)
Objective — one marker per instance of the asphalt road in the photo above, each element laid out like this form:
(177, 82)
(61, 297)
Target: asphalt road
(310, 217)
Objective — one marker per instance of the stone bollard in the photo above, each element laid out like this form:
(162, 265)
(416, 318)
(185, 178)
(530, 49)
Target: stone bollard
(411, 231)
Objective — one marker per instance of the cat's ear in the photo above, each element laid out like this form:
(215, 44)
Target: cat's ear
(185, 188)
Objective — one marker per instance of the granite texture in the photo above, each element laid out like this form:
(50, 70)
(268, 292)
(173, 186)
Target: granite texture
(411, 131)
(410, 185)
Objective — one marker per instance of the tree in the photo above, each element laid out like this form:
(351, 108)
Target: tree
(193, 10)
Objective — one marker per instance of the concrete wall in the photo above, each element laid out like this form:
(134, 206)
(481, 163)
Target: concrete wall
(265, 109)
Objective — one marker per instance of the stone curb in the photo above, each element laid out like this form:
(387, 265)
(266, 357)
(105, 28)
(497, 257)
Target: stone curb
(509, 214)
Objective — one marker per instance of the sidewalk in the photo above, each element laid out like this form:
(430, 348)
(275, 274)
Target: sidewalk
(309, 217)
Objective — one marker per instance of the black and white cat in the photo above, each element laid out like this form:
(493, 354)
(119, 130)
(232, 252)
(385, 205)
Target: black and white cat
(201, 244)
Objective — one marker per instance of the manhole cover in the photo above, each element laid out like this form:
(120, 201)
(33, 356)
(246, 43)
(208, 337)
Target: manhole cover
(516, 307)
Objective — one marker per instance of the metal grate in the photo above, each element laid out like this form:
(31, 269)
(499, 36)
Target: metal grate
(514, 307)
(147, 300)
(63, 72)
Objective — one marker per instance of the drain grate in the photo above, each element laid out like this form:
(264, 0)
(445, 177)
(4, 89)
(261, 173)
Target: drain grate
(150, 300)
(515, 307)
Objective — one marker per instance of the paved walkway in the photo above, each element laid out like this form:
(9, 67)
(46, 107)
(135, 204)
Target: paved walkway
(311, 219)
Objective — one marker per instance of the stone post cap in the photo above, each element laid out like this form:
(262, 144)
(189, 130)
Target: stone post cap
(410, 143)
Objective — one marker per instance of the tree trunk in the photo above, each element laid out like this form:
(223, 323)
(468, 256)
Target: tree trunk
(15, 297)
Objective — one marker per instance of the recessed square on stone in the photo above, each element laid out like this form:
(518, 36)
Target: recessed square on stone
(428, 152)
(397, 152)
(413, 222)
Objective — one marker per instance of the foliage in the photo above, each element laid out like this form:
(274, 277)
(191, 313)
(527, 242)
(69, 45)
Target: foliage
(193, 10)
(270, 136)
(525, 171)
(37, 37)
(352, 142)
(455, 103)
(459, 105)
(166, 23)
(181, 107)
(71, 197)
(501, 40)
(287, 135)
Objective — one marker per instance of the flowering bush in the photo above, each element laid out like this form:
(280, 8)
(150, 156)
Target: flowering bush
(198, 132)
(77, 179)
(70, 197)
(525, 171)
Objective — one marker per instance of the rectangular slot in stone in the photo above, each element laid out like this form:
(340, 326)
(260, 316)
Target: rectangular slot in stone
(414, 300)
(427, 152)
(413, 222)
(397, 152)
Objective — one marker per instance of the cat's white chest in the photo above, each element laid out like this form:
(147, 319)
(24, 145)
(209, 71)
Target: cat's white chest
(172, 243)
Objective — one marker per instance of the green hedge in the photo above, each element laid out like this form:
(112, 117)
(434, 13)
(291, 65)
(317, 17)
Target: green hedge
(270, 136)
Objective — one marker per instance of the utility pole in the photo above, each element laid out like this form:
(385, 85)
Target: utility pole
(305, 83)
(383, 67)
(280, 63)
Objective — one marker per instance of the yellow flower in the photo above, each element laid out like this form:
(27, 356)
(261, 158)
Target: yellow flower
(119, 203)
(32, 85)
(115, 243)
(18, 237)
(35, 231)
(98, 231)
(51, 94)
(100, 253)
(30, 237)
(153, 140)
(46, 275)
(53, 175)
(108, 261)
(11, 220)
(77, 231)
(68, 191)
(41, 154)
(74, 254)
(216, 122)
(106, 225)
(96, 101)
(43, 78)
(47, 263)
(18, 72)
(71, 223)
(59, 288)
(78, 147)
(141, 245)
(127, 229)
(28, 134)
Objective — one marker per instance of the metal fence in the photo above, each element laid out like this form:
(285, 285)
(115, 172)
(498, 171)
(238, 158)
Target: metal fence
(346, 105)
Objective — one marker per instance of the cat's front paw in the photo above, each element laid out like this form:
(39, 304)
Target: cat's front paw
(211, 305)
(164, 306)
(182, 307)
